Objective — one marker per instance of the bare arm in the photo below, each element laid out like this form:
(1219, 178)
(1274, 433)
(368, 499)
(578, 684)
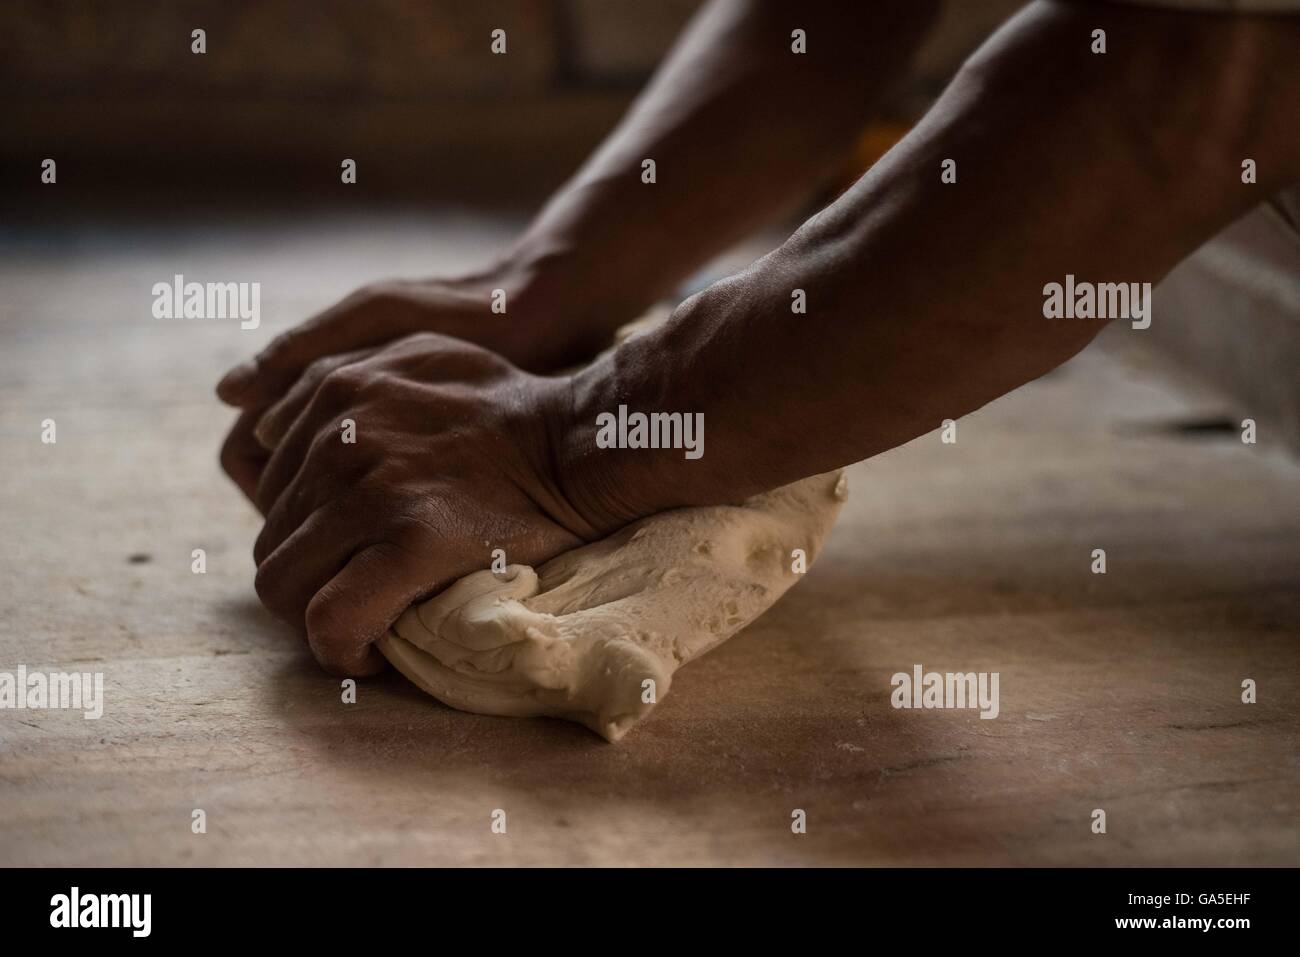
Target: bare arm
(925, 299)
(740, 127)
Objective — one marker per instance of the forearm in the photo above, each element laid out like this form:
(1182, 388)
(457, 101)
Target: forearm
(740, 129)
(924, 299)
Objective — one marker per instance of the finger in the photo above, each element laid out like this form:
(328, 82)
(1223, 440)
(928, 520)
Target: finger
(242, 457)
(365, 319)
(276, 420)
(308, 558)
(302, 498)
(358, 605)
(314, 429)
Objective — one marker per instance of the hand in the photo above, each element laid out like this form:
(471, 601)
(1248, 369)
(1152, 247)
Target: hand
(455, 455)
(531, 334)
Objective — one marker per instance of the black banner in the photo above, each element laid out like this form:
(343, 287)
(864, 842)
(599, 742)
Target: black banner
(646, 907)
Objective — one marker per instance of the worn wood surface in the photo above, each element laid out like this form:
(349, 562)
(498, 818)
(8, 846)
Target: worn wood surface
(1119, 691)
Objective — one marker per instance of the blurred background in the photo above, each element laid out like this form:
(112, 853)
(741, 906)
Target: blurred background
(402, 86)
(288, 89)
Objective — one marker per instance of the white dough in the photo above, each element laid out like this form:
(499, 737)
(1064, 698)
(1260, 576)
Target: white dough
(580, 637)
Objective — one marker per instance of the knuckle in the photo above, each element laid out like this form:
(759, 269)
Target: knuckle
(267, 585)
(329, 628)
(407, 536)
(318, 369)
(261, 547)
(341, 383)
(423, 338)
(265, 500)
(262, 582)
(235, 456)
(229, 457)
(260, 554)
(277, 348)
(327, 458)
(381, 383)
(382, 294)
(412, 538)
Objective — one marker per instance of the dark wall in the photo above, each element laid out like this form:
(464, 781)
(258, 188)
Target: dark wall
(288, 88)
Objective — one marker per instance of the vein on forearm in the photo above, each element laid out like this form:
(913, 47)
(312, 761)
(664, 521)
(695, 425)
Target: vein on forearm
(925, 299)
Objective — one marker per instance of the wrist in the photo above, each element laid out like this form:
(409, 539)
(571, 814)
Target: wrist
(604, 486)
(610, 472)
(569, 297)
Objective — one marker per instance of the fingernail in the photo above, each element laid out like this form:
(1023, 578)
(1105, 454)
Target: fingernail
(237, 380)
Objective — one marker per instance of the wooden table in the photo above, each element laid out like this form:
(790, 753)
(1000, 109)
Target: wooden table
(1118, 691)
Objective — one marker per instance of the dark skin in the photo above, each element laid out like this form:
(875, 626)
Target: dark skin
(924, 298)
(341, 517)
